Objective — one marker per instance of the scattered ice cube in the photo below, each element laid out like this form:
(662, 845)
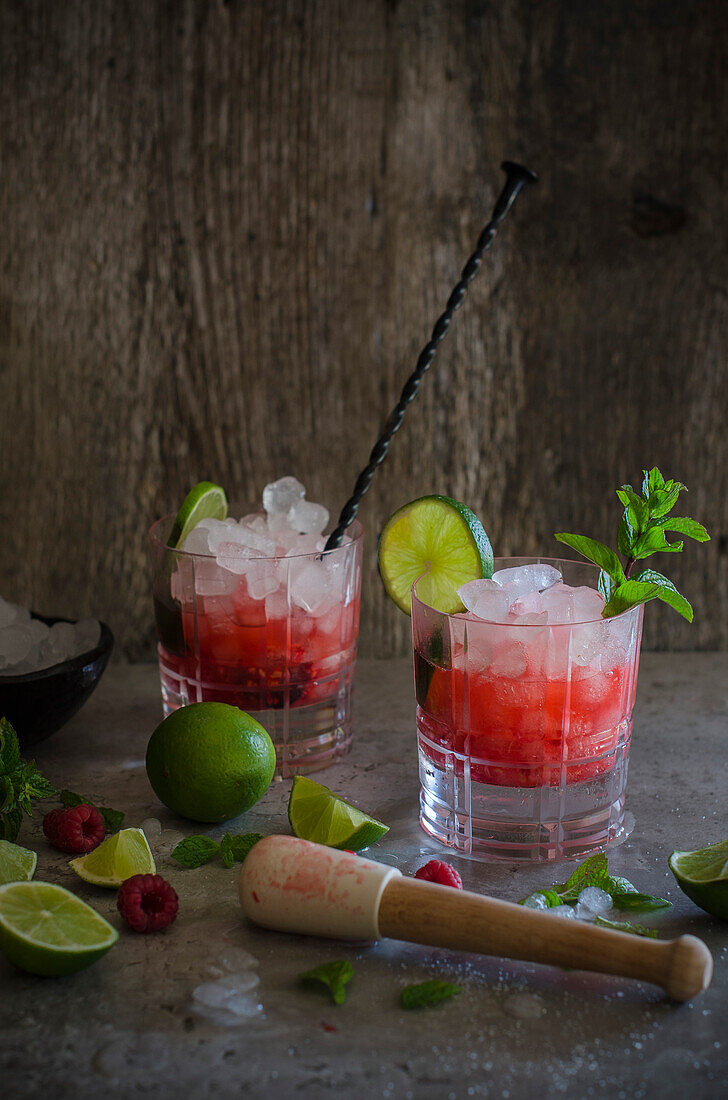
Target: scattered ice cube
(279, 496)
(535, 901)
(235, 959)
(308, 518)
(521, 579)
(595, 899)
(563, 911)
(151, 827)
(470, 593)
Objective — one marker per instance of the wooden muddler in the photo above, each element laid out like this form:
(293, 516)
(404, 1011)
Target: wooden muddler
(294, 886)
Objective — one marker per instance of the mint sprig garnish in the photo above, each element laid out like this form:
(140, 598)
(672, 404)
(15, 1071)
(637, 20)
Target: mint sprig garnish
(594, 871)
(195, 851)
(21, 784)
(427, 993)
(113, 819)
(641, 533)
(334, 975)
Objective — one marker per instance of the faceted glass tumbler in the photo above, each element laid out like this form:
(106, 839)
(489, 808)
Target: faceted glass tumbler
(279, 641)
(524, 731)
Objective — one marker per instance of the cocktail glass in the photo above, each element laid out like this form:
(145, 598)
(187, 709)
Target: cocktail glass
(524, 730)
(277, 639)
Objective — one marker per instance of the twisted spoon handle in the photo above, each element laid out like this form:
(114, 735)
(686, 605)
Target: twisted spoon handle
(516, 177)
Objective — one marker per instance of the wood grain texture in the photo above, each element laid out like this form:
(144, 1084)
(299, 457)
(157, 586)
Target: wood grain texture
(228, 227)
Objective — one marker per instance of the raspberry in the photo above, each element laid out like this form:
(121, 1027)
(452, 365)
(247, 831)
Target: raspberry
(147, 903)
(442, 873)
(76, 830)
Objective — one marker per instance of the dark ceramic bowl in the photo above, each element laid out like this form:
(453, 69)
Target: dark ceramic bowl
(39, 703)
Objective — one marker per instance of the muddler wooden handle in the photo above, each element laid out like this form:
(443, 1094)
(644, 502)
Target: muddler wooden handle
(421, 912)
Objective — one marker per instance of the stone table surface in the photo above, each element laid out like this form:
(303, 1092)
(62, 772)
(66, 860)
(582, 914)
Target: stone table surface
(127, 1027)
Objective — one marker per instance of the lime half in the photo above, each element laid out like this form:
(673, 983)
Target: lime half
(317, 814)
(440, 540)
(48, 930)
(116, 859)
(205, 501)
(703, 876)
(16, 864)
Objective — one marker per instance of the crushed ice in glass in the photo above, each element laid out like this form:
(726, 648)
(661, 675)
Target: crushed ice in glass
(29, 645)
(531, 595)
(273, 557)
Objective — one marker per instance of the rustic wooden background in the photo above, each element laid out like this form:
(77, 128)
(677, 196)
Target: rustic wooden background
(228, 226)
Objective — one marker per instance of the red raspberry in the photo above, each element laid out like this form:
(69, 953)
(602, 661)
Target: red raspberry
(147, 903)
(442, 873)
(76, 831)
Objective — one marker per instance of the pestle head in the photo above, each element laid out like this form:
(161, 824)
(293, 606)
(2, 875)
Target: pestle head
(293, 885)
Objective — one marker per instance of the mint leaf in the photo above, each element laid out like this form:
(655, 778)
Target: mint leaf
(639, 903)
(636, 509)
(640, 533)
(196, 850)
(684, 526)
(9, 748)
(653, 541)
(597, 552)
(651, 481)
(10, 821)
(334, 975)
(427, 993)
(626, 926)
(667, 592)
(629, 594)
(226, 850)
(113, 819)
(38, 787)
(241, 844)
(664, 500)
(626, 535)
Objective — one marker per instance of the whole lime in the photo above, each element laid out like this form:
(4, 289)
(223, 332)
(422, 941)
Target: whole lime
(210, 761)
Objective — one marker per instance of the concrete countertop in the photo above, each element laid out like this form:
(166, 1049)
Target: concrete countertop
(126, 1026)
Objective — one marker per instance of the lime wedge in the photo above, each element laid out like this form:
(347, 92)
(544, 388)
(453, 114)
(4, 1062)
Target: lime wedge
(703, 876)
(205, 501)
(16, 864)
(317, 814)
(116, 859)
(48, 930)
(440, 538)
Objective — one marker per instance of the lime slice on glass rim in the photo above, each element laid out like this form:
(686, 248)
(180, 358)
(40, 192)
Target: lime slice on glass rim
(49, 931)
(317, 814)
(205, 501)
(703, 876)
(116, 859)
(16, 864)
(440, 540)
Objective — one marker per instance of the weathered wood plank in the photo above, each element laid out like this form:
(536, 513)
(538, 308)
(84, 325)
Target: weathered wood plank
(228, 227)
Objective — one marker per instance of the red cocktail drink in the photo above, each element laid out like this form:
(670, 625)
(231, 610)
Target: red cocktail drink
(524, 724)
(274, 634)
